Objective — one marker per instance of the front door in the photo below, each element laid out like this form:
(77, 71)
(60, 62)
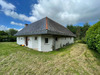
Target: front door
(26, 41)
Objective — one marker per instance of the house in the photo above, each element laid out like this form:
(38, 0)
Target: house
(45, 35)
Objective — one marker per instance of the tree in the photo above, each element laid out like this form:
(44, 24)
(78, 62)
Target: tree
(12, 32)
(72, 28)
(75, 29)
(84, 29)
(3, 33)
(78, 32)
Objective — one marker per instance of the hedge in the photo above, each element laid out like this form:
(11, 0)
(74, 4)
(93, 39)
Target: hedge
(93, 37)
(7, 38)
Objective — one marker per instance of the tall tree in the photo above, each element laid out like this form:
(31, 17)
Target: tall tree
(12, 32)
(80, 31)
(72, 28)
(84, 29)
(3, 33)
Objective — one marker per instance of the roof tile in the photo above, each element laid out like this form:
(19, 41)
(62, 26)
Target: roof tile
(45, 26)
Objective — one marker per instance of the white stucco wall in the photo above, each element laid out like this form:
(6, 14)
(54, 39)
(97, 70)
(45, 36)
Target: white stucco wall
(46, 46)
(21, 40)
(30, 40)
(32, 43)
(63, 41)
(49, 46)
(40, 44)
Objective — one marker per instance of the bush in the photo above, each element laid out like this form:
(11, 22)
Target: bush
(83, 40)
(7, 38)
(79, 41)
(93, 37)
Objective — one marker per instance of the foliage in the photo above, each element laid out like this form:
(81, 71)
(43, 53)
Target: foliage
(12, 32)
(80, 31)
(83, 40)
(93, 37)
(72, 28)
(84, 29)
(7, 36)
(3, 33)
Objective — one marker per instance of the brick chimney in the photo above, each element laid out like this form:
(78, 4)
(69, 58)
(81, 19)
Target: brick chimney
(26, 25)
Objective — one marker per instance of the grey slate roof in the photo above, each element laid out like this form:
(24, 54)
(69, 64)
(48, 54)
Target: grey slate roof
(39, 27)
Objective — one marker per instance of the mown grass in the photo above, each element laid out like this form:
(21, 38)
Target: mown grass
(75, 59)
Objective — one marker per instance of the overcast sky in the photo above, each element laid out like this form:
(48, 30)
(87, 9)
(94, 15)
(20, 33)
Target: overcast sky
(15, 13)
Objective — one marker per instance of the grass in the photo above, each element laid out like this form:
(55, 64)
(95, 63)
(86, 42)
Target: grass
(74, 59)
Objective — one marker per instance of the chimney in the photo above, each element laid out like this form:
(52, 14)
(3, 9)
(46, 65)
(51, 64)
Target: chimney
(26, 25)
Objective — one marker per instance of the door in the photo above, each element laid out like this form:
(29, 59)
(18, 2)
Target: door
(26, 41)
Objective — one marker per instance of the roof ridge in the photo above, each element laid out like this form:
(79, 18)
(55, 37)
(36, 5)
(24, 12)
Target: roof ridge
(46, 23)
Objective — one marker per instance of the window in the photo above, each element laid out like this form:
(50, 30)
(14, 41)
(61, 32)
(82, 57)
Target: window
(56, 39)
(35, 38)
(46, 40)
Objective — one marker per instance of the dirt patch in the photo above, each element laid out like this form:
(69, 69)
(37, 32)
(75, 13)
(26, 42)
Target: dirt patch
(78, 50)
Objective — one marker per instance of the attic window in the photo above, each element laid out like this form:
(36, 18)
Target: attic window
(35, 38)
(56, 39)
(46, 40)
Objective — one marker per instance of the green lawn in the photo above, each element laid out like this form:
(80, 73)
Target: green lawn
(74, 59)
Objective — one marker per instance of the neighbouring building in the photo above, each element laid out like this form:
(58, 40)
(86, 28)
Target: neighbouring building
(45, 35)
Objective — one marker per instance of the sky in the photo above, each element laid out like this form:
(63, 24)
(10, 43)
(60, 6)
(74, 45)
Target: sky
(16, 13)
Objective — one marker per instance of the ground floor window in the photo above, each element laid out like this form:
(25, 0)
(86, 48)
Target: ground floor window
(46, 40)
(35, 38)
(21, 38)
(56, 39)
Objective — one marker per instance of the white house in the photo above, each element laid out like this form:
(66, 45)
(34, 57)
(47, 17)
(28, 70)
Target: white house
(45, 35)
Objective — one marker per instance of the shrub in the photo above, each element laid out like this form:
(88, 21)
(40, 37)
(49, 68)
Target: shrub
(93, 37)
(7, 38)
(79, 41)
(83, 40)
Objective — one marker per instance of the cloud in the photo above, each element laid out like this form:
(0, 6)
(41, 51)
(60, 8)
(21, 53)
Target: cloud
(2, 27)
(6, 6)
(9, 10)
(68, 11)
(18, 24)
(20, 29)
(62, 11)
